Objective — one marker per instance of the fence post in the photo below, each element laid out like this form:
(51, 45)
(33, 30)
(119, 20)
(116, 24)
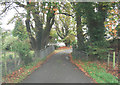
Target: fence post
(114, 59)
(5, 63)
(108, 59)
(15, 61)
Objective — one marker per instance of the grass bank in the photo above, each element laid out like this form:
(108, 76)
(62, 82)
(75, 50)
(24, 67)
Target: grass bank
(95, 71)
(24, 71)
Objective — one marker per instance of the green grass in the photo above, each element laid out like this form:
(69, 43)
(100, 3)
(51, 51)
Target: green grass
(27, 68)
(98, 73)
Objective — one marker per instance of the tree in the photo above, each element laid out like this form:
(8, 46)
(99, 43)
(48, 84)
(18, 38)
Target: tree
(111, 22)
(65, 25)
(79, 11)
(20, 30)
(41, 37)
(21, 46)
(65, 29)
(42, 14)
(96, 16)
(4, 46)
(53, 36)
(38, 35)
(0, 39)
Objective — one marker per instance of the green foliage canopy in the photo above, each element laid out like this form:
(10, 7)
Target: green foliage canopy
(20, 30)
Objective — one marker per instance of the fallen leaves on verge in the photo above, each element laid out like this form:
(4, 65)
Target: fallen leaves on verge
(98, 64)
(22, 73)
(64, 47)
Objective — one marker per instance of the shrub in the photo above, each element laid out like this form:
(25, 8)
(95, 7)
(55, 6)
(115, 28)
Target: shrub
(23, 49)
(98, 50)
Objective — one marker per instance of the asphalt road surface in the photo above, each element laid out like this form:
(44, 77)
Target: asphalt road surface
(58, 69)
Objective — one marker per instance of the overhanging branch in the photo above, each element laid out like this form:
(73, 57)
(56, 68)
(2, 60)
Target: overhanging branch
(21, 5)
(52, 22)
(6, 8)
(66, 14)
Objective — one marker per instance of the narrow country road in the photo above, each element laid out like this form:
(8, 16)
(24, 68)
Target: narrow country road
(58, 69)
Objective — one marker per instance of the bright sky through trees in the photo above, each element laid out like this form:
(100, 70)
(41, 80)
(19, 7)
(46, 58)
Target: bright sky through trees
(5, 18)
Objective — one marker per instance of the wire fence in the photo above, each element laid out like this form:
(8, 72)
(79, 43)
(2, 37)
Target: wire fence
(84, 55)
(111, 59)
(12, 64)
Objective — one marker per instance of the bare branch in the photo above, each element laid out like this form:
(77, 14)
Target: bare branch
(18, 11)
(66, 14)
(20, 5)
(58, 31)
(65, 25)
(52, 22)
(12, 19)
(6, 8)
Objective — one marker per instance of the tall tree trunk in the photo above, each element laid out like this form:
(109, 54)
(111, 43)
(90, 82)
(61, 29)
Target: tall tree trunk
(80, 37)
(39, 29)
(96, 29)
(119, 42)
(5, 63)
(95, 22)
(37, 39)
(46, 32)
(41, 38)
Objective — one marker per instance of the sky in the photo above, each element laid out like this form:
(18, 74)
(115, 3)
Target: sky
(6, 17)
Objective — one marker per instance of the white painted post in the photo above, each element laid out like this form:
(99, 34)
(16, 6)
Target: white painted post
(108, 59)
(114, 59)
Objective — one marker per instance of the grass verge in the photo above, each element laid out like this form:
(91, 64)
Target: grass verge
(23, 72)
(94, 71)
